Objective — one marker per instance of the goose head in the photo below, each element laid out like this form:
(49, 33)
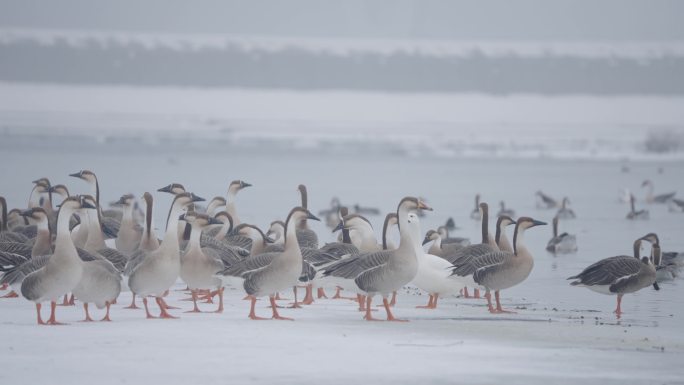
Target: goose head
(36, 213)
(652, 238)
(252, 232)
(185, 199)
(199, 220)
(74, 203)
(88, 202)
(504, 221)
(354, 222)
(85, 175)
(173, 188)
(298, 214)
(236, 186)
(524, 223)
(431, 235)
(411, 204)
(215, 203)
(126, 200)
(60, 190)
(276, 231)
(225, 218)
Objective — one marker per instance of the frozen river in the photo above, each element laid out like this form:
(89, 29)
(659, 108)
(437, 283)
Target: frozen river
(561, 334)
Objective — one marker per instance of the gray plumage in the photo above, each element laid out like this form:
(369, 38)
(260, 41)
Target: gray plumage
(619, 273)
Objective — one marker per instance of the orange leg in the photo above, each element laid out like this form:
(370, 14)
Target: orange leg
(618, 310)
(465, 292)
(275, 311)
(362, 302)
(11, 294)
(252, 314)
(163, 307)
(87, 315)
(52, 320)
(498, 305)
(295, 304)
(488, 295)
(40, 320)
(429, 304)
(369, 314)
(166, 305)
(321, 293)
(220, 295)
(106, 317)
(390, 317)
(477, 294)
(72, 300)
(434, 303)
(195, 309)
(394, 298)
(132, 305)
(308, 298)
(147, 310)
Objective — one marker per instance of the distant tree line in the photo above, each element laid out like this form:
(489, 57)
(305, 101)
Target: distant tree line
(232, 65)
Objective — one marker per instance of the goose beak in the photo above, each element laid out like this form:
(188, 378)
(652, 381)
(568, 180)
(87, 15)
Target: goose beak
(50, 189)
(655, 286)
(426, 240)
(26, 213)
(423, 206)
(75, 175)
(538, 223)
(514, 222)
(166, 189)
(309, 215)
(269, 239)
(339, 227)
(195, 198)
(268, 235)
(245, 184)
(86, 205)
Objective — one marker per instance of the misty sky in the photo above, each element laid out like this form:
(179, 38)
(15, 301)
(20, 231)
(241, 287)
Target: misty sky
(426, 19)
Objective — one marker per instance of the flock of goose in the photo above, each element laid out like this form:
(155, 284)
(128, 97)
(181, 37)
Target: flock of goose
(83, 252)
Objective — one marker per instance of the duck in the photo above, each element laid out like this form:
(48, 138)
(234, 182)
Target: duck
(660, 198)
(383, 272)
(564, 212)
(233, 189)
(619, 275)
(476, 214)
(633, 214)
(545, 202)
(504, 211)
(269, 273)
(63, 269)
(199, 265)
(158, 270)
(561, 243)
(501, 270)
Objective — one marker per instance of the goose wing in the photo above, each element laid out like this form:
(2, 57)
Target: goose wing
(608, 271)
(16, 248)
(250, 264)
(488, 264)
(307, 238)
(463, 255)
(350, 268)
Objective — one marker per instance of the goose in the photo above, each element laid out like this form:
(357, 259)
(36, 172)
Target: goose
(668, 268)
(488, 245)
(110, 219)
(100, 281)
(158, 270)
(130, 233)
(437, 248)
(173, 189)
(501, 270)
(618, 275)
(633, 213)
(360, 232)
(5, 234)
(234, 187)
(214, 204)
(446, 239)
(544, 201)
(269, 273)
(390, 220)
(384, 272)
(43, 241)
(504, 211)
(259, 240)
(561, 243)
(565, 212)
(199, 265)
(433, 272)
(500, 236)
(95, 242)
(63, 269)
(661, 198)
(14, 219)
(305, 236)
(476, 214)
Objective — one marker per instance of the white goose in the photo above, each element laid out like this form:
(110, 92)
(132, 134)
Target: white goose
(159, 269)
(234, 187)
(63, 270)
